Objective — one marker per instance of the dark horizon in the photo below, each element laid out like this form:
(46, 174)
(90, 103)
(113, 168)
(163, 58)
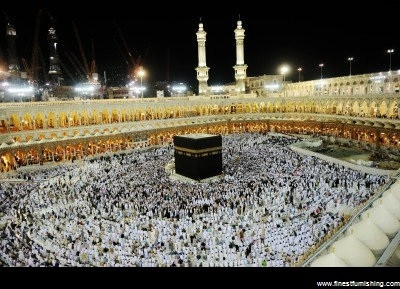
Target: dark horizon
(165, 40)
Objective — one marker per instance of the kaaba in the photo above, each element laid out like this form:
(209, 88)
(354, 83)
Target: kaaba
(198, 156)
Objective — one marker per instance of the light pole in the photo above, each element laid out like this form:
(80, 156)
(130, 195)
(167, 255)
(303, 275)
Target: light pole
(141, 73)
(299, 70)
(284, 70)
(350, 59)
(321, 65)
(390, 51)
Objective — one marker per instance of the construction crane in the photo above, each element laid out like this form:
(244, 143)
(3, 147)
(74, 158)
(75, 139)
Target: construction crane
(43, 66)
(79, 69)
(86, 66)
(67, 71)
(93, 68)
(122, 53)
(27, 68)
(91, 72)
(133, 63)
(34, 67)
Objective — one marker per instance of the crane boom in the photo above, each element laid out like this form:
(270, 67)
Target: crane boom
(122, 53)
(93, 68)
(67, 70)
(79, 70)
(81, 50)
(43, 66)
(125, 44)
(26, 67)
(35, 49)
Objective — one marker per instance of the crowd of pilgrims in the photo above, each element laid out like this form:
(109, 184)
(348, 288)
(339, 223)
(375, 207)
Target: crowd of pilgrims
(269, 207)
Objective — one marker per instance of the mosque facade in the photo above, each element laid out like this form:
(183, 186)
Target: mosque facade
(358, 108)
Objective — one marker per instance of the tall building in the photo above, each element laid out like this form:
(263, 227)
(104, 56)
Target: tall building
(240, 67)
(55, 74)
(202, 69)
(13, 64)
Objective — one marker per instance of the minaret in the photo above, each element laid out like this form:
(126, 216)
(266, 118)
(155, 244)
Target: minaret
(240, 67)
(13, 64)
(202, 69)
(55, 74)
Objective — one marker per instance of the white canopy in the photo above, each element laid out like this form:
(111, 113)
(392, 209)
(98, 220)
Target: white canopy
(353, 252)
(329, 260)
(396, 254)
(370, 235)
(395, 189)
(383, 219)
(391, 203)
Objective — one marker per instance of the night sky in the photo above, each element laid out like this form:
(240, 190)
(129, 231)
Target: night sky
(163, 37)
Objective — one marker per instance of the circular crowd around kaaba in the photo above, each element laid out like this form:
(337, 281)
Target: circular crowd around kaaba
(269, 208)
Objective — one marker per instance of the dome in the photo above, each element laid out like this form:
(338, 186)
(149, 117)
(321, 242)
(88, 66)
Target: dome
(370, 235)
(329, 260)
(383, 219)
(353, 252)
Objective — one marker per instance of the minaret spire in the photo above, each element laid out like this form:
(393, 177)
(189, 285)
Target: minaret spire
(240, 67)
(202, 69)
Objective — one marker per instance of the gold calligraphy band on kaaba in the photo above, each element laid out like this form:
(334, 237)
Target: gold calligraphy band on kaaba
(198, 151)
